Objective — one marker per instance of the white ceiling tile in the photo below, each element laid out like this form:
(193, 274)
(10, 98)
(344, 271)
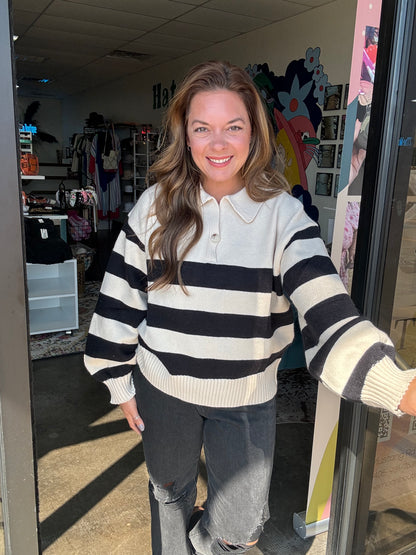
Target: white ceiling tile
(271, 10)
(121, 34)
(19, 29)
(29, 5)
(72, 58)
(175, 41)
(313, 3)
(54, 36)
(58, 41)
(102, 68)
(52, 68)
(193, 31)
(222, 20)
(24, 17)
(147, 47)
(192, 2)
(152, 8)
(81, 12)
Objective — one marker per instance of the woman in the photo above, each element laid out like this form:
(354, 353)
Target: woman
(194, 315)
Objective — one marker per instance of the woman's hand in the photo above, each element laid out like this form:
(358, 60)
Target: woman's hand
(408, 402)
(133, 417)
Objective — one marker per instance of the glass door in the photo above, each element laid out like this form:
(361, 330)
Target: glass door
(391, 524)
(374, 496)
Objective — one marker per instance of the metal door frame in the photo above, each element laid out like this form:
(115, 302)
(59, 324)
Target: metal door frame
(17, 461)
(374, 273)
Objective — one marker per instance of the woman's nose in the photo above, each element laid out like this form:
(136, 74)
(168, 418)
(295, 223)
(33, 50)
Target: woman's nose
(218, 140)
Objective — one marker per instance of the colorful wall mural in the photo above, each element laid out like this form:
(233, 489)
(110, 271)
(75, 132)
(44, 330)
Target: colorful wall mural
(294, 103)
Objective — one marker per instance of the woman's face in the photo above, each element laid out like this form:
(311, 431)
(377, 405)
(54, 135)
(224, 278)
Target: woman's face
(218, 132)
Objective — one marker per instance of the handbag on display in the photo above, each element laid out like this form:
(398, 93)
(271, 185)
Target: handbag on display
(110, 160)
(29, 164)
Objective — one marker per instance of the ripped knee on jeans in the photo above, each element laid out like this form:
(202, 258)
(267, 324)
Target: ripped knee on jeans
(170, 494)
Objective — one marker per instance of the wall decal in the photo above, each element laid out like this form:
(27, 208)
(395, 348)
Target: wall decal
(294, 103)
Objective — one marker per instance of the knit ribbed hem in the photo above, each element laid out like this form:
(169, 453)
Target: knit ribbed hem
(219, 393)
(385, 386)
(121, 389)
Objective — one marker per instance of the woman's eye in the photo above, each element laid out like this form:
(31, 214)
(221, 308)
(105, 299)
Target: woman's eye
(235, 128)
(200, 130)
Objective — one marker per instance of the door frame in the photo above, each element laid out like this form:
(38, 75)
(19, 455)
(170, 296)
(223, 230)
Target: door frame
(17, 460)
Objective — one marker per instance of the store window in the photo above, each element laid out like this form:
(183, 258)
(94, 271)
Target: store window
(392, 514)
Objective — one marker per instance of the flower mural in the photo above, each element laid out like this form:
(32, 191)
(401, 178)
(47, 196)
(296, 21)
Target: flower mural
(293, 101)
(312, 58)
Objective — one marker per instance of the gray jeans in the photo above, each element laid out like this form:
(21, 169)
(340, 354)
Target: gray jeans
(238, 445)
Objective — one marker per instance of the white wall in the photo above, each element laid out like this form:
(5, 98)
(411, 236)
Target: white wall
(330, 27)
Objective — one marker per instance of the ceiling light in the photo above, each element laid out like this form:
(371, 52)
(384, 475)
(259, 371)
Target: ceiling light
(127, 54)
(41, 80)
(29, 58)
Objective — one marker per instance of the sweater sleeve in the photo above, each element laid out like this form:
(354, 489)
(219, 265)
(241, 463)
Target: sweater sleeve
(342, 349)
(110, 352)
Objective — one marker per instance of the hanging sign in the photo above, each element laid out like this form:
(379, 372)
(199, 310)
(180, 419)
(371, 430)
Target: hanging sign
(162, 95)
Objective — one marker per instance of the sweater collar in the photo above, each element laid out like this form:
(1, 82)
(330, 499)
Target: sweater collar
(240, 202)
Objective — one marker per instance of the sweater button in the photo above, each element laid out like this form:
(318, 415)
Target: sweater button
(215, 237)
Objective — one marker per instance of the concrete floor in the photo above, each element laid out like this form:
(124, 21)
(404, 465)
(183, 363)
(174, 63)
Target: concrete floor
(92, 477)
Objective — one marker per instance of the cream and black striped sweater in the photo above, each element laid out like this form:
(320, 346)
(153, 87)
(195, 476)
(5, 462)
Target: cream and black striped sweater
(220, 344)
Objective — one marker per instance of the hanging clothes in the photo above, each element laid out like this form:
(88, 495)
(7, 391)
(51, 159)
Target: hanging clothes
(107, 183)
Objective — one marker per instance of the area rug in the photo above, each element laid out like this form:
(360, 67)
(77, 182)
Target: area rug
(48, 345)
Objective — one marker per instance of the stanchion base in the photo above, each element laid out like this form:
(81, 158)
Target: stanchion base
(308, 530)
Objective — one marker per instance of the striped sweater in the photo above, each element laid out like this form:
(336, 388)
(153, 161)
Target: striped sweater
(220, 343)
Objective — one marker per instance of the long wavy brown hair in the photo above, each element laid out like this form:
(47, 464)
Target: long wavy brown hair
(177, 203)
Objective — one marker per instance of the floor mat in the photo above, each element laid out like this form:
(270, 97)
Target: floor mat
(48, 345)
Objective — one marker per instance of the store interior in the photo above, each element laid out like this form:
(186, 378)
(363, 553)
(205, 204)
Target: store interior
(93, 78)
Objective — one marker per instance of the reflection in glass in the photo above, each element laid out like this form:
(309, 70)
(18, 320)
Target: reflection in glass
(392, 517)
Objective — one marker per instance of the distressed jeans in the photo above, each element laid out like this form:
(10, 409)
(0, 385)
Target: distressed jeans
(239, 447)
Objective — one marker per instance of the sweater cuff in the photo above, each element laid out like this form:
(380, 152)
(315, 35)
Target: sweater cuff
(121, 389)
(385, 385)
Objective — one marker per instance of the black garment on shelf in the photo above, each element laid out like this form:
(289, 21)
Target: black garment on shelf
(43, 242)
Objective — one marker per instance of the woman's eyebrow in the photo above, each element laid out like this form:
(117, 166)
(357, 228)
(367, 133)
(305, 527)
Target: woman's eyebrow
(228, 122)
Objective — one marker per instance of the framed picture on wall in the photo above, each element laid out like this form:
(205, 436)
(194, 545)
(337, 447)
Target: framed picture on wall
(346, 91)
(342, 128)
(329, 128)
(339, 156)
(323, 184)
(336, 185)
(332, 98)
(326, 156)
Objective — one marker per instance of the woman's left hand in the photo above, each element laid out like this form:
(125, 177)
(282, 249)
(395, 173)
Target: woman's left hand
(408, 402)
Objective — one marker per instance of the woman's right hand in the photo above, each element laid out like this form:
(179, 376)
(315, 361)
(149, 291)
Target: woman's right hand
(134, 419)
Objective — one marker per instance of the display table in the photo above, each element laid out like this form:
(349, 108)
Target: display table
(53, 297)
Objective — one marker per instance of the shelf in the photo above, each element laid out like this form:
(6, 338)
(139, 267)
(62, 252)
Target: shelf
(58, 318)
(53, 297)
(52, 287)
(39, 177)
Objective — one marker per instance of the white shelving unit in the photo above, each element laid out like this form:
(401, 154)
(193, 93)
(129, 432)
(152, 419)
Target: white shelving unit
(143, 153)
(53, 297)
